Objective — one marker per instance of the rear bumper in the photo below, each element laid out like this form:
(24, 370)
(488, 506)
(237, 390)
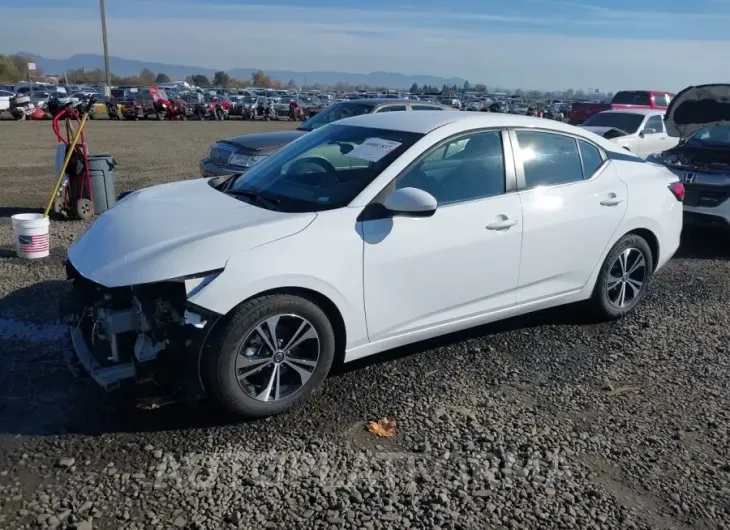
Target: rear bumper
(705, 219)
(710, 216)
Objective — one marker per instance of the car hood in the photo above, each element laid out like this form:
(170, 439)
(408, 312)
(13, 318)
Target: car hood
(697, 107)
(601, 131)
(175, 230)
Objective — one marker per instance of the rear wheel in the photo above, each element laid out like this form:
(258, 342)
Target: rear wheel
(623, 278)
(269, 355)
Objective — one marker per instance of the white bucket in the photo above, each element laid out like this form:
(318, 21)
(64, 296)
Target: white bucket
(31, 235)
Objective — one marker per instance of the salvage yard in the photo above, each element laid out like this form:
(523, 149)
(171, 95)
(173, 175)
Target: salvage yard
(545, 421)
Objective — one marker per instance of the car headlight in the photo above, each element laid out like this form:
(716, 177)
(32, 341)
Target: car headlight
(245, 160)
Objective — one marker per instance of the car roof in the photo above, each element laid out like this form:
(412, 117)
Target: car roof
(373, 102)
(424, 122)
(634, 111)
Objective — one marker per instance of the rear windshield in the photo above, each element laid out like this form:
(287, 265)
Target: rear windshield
(631, 97)
(624, 121)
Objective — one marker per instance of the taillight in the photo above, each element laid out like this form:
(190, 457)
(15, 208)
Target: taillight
(677, 189)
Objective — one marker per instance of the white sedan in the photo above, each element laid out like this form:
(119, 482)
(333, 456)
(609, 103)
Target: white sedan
(640, 131)
(371, 233)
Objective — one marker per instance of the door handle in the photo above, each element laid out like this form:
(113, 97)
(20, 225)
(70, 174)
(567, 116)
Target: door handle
(504, 224)
(612, 201)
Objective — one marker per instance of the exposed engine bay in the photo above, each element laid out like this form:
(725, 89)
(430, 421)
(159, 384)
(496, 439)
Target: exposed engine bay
(137, 334)
(697, 158)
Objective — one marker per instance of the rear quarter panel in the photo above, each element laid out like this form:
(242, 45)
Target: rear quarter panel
(651, 205)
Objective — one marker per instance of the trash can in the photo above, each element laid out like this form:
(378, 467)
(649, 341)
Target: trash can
(101, 170)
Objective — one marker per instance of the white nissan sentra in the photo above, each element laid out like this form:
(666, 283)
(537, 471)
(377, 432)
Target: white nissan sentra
(371, 233)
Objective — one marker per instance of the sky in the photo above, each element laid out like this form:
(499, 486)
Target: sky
(529, 44)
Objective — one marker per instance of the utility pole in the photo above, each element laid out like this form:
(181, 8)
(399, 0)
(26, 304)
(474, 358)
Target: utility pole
(102, 7)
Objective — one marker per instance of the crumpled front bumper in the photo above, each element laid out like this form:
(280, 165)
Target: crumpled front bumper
(108, 377)
(170, 363)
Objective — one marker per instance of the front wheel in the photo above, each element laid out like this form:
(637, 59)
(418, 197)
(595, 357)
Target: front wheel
(269, 355)
(624, 278)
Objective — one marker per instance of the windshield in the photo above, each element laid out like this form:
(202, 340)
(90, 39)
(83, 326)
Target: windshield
(335, 112)
(719, 134)
(631, 97)
(325, 169)
(624, 121)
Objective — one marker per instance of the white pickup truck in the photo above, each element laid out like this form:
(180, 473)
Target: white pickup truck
(640, 131)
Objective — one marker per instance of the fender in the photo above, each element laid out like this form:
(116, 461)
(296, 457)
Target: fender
(300, 264)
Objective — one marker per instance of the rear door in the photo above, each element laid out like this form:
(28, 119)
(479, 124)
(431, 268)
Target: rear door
(573, 202)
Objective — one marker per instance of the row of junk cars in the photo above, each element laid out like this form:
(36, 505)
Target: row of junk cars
(180, 102)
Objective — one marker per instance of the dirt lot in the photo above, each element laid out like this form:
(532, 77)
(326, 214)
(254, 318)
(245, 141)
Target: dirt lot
(539, 422)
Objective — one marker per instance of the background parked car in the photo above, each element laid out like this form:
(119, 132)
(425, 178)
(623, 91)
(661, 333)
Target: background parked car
(237, 154)
(640, 131)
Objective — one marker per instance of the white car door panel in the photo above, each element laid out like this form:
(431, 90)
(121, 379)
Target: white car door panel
(422, 272)
(461, 262)
(566, 225)
(652, 142)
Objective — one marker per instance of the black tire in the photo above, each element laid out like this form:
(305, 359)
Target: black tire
(601, 302)
(219, 368)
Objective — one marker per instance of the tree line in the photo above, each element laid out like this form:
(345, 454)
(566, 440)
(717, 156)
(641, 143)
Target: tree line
(13, 68)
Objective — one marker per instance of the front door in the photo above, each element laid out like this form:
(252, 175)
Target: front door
(461, 262)
(573, 202)
(655, 142)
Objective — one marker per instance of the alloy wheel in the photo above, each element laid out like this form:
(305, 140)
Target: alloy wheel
(626, 278)
(277, 358)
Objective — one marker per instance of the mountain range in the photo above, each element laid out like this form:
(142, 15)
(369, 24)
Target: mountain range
(126, 67)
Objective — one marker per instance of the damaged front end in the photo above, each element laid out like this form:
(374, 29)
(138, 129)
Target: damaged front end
(139, 334)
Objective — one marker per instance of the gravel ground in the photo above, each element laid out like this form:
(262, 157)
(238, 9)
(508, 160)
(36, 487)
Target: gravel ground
(539, 422)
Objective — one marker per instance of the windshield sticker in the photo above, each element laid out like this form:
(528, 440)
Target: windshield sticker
(373, 149)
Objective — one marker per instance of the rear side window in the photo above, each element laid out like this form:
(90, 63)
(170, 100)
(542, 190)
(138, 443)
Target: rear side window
(392, 108)
(425, 107)
(661, 100)
(548, 159)
(631, 97)
(591, 158)
(656, 123)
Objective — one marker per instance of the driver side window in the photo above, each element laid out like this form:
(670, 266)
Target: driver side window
(464, 169)
(655, 122)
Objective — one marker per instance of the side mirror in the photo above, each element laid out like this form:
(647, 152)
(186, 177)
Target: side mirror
(648, 131)
(411, 202)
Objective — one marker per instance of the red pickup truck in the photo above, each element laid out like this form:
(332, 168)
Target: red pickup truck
(626, 99)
